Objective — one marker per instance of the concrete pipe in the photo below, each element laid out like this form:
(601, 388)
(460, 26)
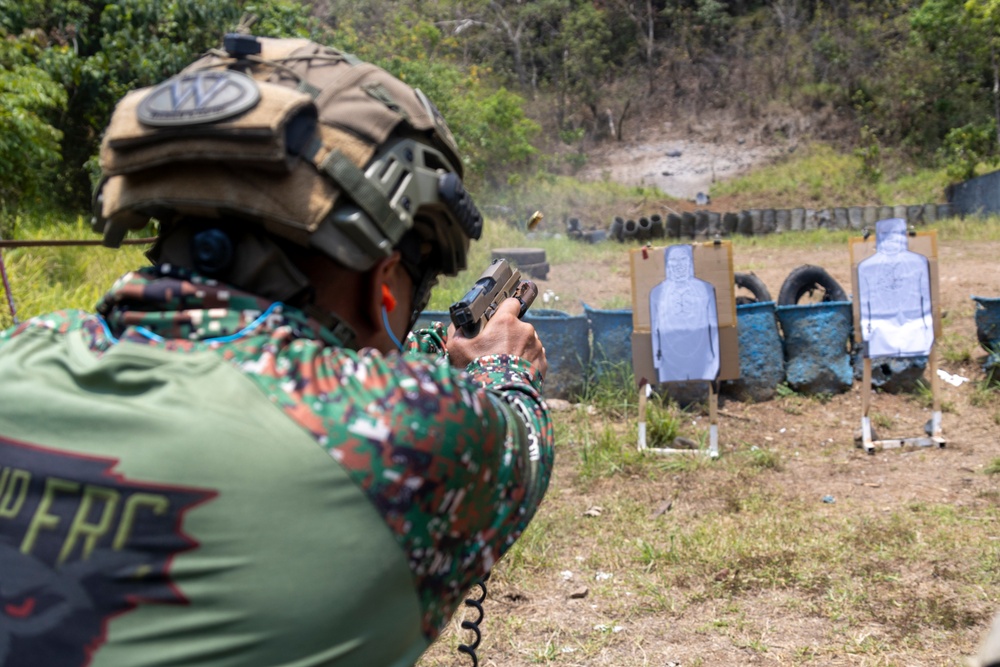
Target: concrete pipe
(767, 221)
(885, 212)
(824, 219)
(798, 219)
(840, 219)
(915, 214)
(782, 220)
(944, 211)
(930, 213)
(810, 221)
(855, 217)
(755, 217)
(869, 216)
(899, 211)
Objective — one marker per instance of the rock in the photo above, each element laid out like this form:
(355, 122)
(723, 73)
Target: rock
(558, 405)
(684, 443)
(579, 593)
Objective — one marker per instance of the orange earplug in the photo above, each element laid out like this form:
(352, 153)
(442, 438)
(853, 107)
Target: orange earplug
(388, 300)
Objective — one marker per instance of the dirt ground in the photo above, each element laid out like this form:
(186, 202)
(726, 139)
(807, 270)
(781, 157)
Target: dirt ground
(683, 159)
(816, 442)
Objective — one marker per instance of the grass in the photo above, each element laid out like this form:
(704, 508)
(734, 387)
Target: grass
(43, 279)
(817, 176)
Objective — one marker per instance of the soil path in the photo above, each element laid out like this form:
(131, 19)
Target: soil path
(681, 164)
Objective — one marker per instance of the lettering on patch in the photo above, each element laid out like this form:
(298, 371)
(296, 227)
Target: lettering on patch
(79, 545)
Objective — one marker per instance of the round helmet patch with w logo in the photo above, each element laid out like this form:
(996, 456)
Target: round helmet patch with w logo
(198, 97)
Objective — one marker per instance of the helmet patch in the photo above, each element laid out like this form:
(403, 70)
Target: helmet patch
(193, 98)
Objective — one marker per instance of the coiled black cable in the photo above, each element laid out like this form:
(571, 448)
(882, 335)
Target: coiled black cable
(473, 626)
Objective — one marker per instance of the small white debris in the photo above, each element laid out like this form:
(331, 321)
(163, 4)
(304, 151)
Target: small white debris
(566, 575)
(953, 380)
(603, 576)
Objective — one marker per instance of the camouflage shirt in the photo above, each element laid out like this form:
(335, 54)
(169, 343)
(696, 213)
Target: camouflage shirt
(411, 431)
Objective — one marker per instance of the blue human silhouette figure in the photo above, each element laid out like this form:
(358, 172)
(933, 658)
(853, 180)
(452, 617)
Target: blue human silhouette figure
(894, 290)
(684, 321)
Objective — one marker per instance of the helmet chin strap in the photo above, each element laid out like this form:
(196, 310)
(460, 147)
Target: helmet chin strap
(388, 329)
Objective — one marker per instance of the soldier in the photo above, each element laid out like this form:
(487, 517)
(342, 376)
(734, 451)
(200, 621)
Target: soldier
(234, 461)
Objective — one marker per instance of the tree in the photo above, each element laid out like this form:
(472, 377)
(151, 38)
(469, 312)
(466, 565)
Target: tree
(97, 51)
(29, 144)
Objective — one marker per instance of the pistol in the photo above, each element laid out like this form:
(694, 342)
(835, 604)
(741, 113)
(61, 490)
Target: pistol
(499, 281)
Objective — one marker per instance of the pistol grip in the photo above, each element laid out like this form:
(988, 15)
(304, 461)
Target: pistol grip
(525, 292)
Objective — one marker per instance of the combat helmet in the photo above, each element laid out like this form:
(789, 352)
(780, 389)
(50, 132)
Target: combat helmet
(310, 144)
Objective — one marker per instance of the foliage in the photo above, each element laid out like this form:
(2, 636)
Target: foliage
(904, 83)
(98, 51)
(29, 143)
(44, 279)
(966, 147)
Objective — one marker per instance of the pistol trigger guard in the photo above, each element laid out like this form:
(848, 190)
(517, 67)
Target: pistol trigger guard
(524, 308)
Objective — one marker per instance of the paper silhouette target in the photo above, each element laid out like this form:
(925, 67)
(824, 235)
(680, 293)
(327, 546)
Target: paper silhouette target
(684, 322)
(894, 290)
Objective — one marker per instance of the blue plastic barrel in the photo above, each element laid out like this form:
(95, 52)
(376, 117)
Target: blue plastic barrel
(762, 361)
(567, 348)
(611, 331)
(893, 375)
(988, 328)
(817, 346)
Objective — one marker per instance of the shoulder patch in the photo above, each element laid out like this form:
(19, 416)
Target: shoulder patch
(193, 98)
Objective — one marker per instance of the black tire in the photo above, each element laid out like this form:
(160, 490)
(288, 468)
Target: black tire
(807, 279)
(630, 229)
(522, 257)
(616, 229)
(754, 285)
(673, 226)
(538, 271)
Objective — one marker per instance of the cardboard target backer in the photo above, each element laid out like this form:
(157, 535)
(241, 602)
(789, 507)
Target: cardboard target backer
(713, 264)
(923, 243)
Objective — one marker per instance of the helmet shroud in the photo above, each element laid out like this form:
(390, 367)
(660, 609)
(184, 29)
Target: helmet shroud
(296, 140)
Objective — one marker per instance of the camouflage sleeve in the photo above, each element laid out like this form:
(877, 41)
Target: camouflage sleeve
(433, 340)
(60, 321)
(456, 464)
(517, 384)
